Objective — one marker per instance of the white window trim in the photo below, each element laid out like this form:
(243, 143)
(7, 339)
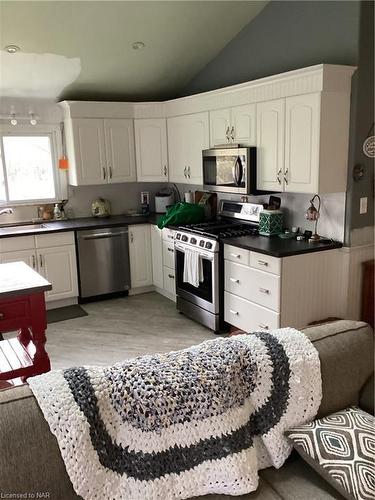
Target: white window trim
(59, 176)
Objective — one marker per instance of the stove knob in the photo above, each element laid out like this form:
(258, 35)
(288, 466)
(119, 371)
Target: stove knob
(178, 236)
(184, 237)
(201, 243)
(208, 244)
(193, 241)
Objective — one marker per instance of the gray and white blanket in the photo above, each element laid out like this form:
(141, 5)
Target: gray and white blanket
(187, 423)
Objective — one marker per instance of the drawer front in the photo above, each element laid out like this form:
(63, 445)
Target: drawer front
(54, 240)
(247, 315)
(17, 243)
(265, 263)
(168, 254)
(251, 284)
(236, 254)
(169, 280)
(167, 234)
(14, 313)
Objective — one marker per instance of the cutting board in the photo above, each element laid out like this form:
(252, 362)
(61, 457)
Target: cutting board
(211, 203)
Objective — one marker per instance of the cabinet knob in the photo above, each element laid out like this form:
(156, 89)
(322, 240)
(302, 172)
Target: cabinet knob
(170, 250)
(263, 326)
(104, 173)
(234, 280)
(236, 255)
(165, 170)
(170, 276)
(264, 290)
(233, 312)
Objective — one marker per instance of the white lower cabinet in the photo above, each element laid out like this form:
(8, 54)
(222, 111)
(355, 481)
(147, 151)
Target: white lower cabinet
(169, 281)
(140, 255)
(157, 256)
(263, 292)
(51, 255)
(163, 272)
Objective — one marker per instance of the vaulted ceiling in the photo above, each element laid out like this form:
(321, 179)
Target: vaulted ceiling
(83, 49)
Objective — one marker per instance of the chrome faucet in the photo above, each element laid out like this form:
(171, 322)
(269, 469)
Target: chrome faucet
(6, 211)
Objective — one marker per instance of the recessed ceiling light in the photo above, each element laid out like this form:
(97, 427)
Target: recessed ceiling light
(138, 45)
(12, 49)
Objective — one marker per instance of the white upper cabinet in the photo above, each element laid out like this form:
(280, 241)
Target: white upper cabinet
(100, 151)
(270, 145)
(87, 152)
(120, 154)
(151, 150)
(235, 124)
(220, 124)
(187, 137)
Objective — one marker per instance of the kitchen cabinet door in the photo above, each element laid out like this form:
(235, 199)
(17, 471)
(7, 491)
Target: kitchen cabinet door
(243, 125)
(140, 255)
(302, 130)
(120, 151)
(177, 133)
(270, 144)
(151, 150)
(220, 125)
(157, 256)
(89, 162)
(26, 256)
(197, 140)
(58, 265)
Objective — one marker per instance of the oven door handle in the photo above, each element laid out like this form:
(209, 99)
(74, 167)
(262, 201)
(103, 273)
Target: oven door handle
(206, 256)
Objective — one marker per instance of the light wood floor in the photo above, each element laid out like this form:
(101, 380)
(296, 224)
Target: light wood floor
(121, 328)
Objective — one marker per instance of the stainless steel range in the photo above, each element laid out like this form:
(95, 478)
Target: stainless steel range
(204, 303)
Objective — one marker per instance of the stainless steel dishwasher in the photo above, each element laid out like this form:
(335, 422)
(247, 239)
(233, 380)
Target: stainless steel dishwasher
(103, 261)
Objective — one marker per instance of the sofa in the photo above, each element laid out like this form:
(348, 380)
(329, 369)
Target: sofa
(31, 465)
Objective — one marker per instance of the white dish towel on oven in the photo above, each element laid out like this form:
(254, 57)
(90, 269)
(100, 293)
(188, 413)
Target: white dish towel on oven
(193, 268)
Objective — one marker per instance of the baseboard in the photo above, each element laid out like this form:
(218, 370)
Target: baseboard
(54, 304)
(166, 294)
(141, 289)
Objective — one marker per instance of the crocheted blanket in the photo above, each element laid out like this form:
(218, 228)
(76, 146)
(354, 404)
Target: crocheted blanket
(187, 423)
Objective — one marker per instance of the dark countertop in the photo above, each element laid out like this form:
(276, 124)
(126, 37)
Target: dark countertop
(279, 247)
(80, 223)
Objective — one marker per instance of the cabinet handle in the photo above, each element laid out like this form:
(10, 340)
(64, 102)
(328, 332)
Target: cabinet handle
(165, 170)
(170, 250)
(233, 312)
(236, 255)
(262, 263)
(131, 238)
(265, 327)
(232, 133)
(234, 280)
(188, 172)
(278, 176)
(286, 176)
(185, 174)
(34, 261)
(110, 172)
(227, 133)
(104, 173)
(171, 276)
(264, 290)
(41, 260)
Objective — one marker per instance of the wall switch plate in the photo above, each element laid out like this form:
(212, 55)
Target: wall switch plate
(363, 205)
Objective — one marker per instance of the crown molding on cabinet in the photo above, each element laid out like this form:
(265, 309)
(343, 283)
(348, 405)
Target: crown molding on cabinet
(319, 78)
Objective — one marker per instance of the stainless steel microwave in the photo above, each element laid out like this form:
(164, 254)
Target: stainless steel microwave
(230, 170)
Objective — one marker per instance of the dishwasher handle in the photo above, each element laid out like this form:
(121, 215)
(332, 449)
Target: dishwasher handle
(103, 235)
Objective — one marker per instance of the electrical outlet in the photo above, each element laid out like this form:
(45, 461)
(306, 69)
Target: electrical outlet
(363, 205)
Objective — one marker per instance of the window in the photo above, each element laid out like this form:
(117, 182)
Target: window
(27, 168)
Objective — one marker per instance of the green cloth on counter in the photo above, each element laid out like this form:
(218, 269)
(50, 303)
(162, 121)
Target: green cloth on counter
(182, 213)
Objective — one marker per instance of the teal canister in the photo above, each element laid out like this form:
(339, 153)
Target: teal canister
(270, 222)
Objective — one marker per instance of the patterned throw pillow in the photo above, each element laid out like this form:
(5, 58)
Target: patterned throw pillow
(341, 448)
